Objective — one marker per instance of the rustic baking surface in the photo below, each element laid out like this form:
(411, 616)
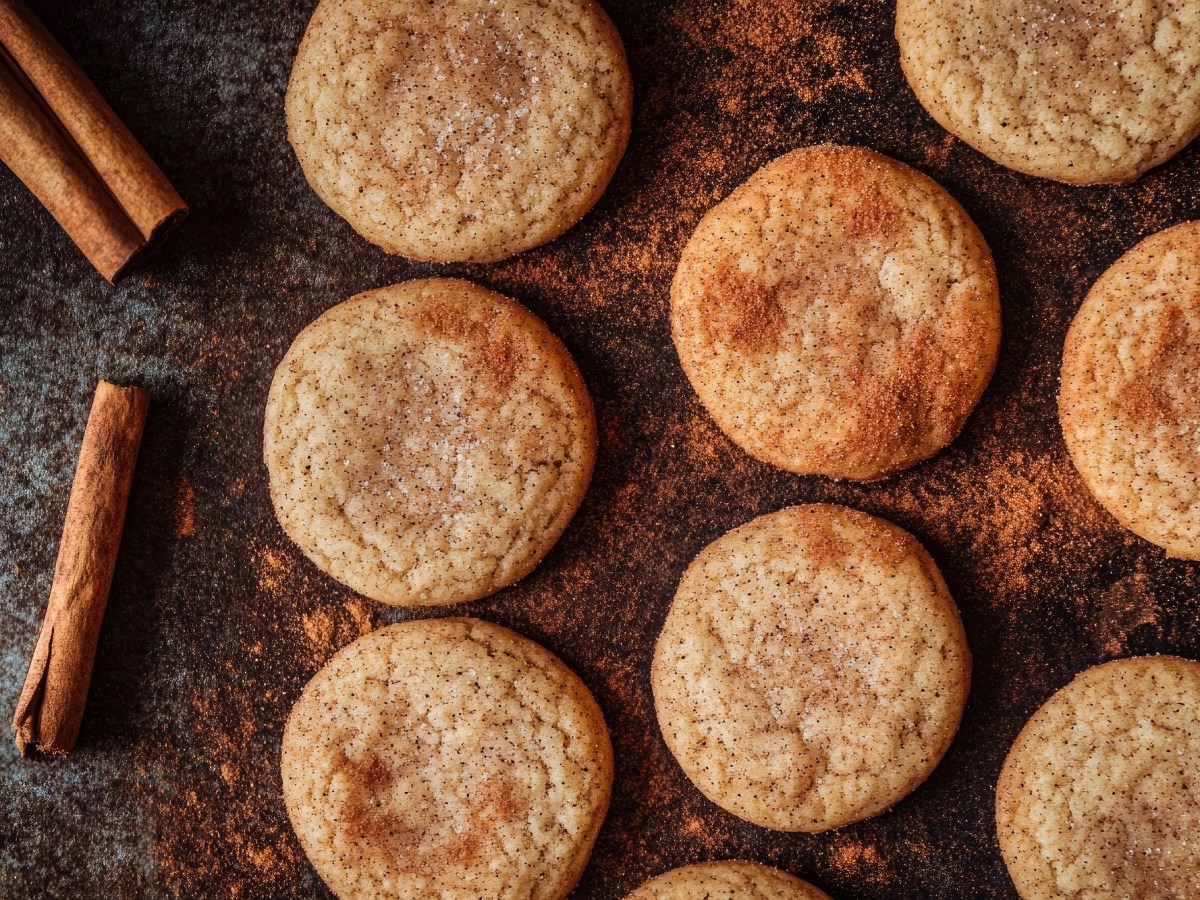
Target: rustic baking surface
(216, 621)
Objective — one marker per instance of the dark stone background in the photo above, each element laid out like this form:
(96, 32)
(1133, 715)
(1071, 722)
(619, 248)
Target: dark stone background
(216, 621)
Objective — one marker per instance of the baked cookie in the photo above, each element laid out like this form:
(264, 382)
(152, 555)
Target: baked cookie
(838, 314)
(728, 880)
(460, 130)
(1129, 400)
(427, 442)
(1100, 794)
(446, 758)
(1080, 91)
(812, 669)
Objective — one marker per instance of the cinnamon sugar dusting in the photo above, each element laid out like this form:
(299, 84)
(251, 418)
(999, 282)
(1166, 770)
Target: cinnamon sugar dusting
(497, 363)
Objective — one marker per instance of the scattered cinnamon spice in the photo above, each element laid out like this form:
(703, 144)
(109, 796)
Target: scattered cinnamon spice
(857, 861)
(1118, 611)
(185, 510)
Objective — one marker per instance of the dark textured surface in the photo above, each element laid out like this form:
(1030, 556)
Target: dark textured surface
(216, 622)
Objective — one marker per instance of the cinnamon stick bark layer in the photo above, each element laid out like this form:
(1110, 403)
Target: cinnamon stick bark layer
(51, 704)
(80, 134)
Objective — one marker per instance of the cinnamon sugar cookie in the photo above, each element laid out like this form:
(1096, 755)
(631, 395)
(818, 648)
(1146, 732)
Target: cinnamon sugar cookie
(812, 669)
(727, 880)
(427, 442)
(460, 130)
(1130, 396)
(446, 758)
(1100, 795)
(1081, 91)
(838, 314)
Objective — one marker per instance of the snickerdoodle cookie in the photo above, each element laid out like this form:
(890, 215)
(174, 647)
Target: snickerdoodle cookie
(727, 880)
(427, 442)
(812, 669)
(838, 314)
(446, 758)
(1130, 396)
(460, 130)
(1100, 794)
(1081, 91)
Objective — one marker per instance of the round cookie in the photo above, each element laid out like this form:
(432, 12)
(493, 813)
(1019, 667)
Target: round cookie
(1080, 91)
(1129, 400)
(459, 131)
(427, 442)
(727, 880)
(812, 669)
(838, 314)
(1100, 795)
(446, 758)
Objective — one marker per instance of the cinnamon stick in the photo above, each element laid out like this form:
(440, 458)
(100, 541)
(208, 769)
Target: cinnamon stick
(39, 155)
(51, 704)
(78, 134)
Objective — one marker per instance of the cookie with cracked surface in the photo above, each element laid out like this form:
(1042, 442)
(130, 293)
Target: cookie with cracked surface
(838, 314)
(812, 669)
(1081, 91)
(459, 131)
(733, 879)
(1129, 400)
(427, 442)
(446, 758)
(1099, 797)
